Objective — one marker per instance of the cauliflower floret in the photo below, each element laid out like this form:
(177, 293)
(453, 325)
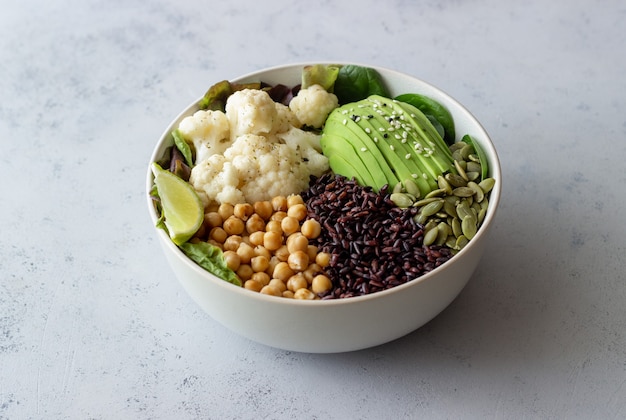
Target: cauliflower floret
(312, 105)
(266, 167)
(216, 179)
(208, 131)
(307, 144)
(250, 111)
(285, 119)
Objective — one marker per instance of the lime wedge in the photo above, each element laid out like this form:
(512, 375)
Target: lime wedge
(183, 211)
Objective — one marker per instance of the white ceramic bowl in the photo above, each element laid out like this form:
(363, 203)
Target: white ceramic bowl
(342, 325)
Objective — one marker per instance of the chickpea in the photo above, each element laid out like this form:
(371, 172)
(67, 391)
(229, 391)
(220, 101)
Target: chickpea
(245, 252)
(271, 290)
(215, 243)
(263, 209)
(243, 211)
(298, 261)
(289, 225)
(213, 219)
(255, 239)
(311, 228)
(272, 240)
(233, 225)
(322, 259)
(282, 271)
(311, 251)
(288, 294)
(282, 253)
(321, 284)
(298, 211)
(232, 260)
(279, 203)
(255, 223)
(218, 235)
(232, 243)
(279, 284)
(259, 264)
(297, 242)
(273, 226)
(294, 199)
(304, 294)
(261, 251)
(311, 271)
(279, 216)
(244, 272)
(273, 263)
(262, 278)
(225, 210)
(253, 285)
(296, 282)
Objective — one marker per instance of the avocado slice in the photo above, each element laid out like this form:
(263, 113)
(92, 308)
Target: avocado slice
(338, 128)
(341, 158)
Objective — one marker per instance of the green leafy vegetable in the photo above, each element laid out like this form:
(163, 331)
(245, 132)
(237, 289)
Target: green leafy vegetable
(211, 259)
(215, 98)
(320, 74)
(484, 164)
(434, 110)
(183, 147)
(355, 83)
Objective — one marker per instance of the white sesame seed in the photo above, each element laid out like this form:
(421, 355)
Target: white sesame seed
(367, 130)
(407, 156)
(397, 136)
(391, 147)
(345, 122)
(364, 149)
(414, 175)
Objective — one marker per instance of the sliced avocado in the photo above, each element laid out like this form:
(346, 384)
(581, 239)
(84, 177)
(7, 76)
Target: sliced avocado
(343, 161)
(366, 149)
(341, 166)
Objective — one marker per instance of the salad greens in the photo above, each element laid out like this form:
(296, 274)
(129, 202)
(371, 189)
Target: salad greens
(436, 113)
(210, 258)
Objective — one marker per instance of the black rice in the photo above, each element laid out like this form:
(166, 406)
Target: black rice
(374, 245)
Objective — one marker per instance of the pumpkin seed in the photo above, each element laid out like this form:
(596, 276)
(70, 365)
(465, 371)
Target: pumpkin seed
(473, 167)
(455, 180)
(424, 201)
(444, 185)
(473, 158)
(412, 188)
(463, 192)
(443, 231)
(435, 193)
(401, 200)
(487, 184)
(397, 188)
(481, 215)
(478, 192)
(457, 155)
(472, 176)
(468, 226)
(456, 227)
(432, 207)
(461, 241)
(451, 242)
(430, 236)
(449, 208)
(466, 151)
(463, 210)
(420, 219)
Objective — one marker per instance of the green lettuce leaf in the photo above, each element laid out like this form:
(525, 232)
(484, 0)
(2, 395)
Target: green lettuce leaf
(211, 259)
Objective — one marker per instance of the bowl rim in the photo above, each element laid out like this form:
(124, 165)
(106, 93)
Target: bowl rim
(494, 198)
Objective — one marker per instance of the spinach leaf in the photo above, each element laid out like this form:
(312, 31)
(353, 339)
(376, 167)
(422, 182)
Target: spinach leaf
(432, 109)
(356, 82)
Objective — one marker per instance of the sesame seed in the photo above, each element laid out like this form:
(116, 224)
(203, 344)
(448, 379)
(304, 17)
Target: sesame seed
(397, 136)
(407, 156)
(375, 139)
(414, 176)
(367, 130)
(381, 129)
(345, 122)
(364, 149)
(391, 147)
